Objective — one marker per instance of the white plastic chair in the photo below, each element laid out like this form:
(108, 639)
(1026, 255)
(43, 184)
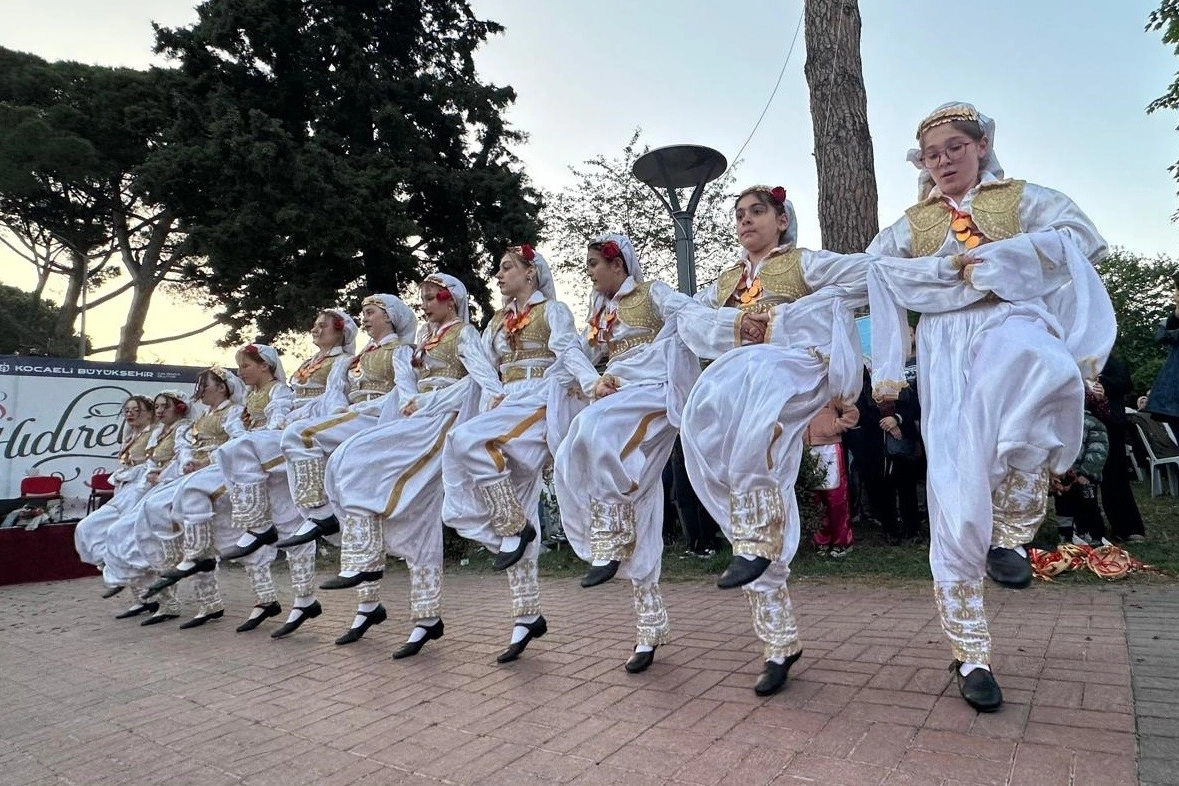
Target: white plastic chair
(1158, 466)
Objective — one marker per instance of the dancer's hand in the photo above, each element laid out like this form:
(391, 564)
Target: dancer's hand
(754, 327)
(606, 386)
(410, 408)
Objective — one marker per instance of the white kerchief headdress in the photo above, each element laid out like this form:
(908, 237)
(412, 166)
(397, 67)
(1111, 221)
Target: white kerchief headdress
(405, 324)
(948, 113)
(633, 267)
(348, 328)
(457, 291)
(544, 276)
(269, 355)
(237, 390)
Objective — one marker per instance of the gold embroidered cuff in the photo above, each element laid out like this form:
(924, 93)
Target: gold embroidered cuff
(425, 592)
(773, 622)
(964, 620)
(525, 588)
(652, 623)
(612, 530)
(369, 592)
(1019, 504)
(251, 505)
(302, 565)
(262, 582)
(308, 474)
(757, 520)
(362, 544)
(503, 506)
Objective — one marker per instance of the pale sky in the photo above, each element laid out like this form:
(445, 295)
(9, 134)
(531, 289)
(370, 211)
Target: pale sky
(1066, 82)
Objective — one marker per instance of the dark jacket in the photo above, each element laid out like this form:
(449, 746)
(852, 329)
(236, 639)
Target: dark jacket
(1164, 393)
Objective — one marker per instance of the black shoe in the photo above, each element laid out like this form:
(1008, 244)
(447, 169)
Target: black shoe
(1006, 567)
(203, 565)
(112, 591)
(600, 574)
(741, 571)
(258, 540)
(640, 661)
(345, 582)
(328, 526)
(156, 619)
(535, 631)
(374, 617)
(271, 609)
(201, 619)
(773, 676)
(139, 608)
(411, 648)
(305, 613)
(506, 559)
(978, 688)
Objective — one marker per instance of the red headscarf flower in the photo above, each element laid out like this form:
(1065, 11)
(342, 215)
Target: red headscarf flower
(250, 349)
(338, 323)
(778, 194)
(527, 252)
(610, 250)
(443, 293)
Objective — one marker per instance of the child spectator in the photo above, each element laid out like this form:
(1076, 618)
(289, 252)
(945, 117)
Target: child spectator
(1078, 518)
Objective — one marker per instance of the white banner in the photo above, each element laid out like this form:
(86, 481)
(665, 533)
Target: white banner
(60, 416)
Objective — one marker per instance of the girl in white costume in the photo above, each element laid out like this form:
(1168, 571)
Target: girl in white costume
(90, 534)
(608, 469)
(744, 420)
(492, 465)
(188, 515)
(1014, 317)
(202, 502)
(384, 483)
(372, 376)
(254, 466)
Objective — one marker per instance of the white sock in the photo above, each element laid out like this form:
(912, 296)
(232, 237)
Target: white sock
(246, 539)
(257, 611)
(419, 629)
(305, 528)
(644, 648)
(509, 544)
(750, 557)
(349, 574)
(185, 565)
(966, 668)
(600, 562)
(359, 619)
(779, 661)
(301, 603)
(519, 631)
(1021, 551)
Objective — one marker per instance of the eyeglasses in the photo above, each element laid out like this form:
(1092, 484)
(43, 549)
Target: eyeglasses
(952, 152)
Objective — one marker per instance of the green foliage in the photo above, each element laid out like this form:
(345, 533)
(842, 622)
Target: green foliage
(1165, 18)
(1140, 290)
(28, 326)
(607, 197)
(329, 146)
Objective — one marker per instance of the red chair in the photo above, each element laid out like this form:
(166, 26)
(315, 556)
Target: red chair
(41, 487)
(101, 490)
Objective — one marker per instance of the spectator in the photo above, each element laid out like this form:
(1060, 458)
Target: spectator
(1163, 400)
(904, 463)
(1078, 518)
(1117, 498)
(824, 438)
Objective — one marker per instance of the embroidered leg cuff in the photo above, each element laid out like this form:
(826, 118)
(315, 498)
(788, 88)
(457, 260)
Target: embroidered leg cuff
(262, 582)
(612, 530)
(198, 539)
(369, 592)
(362, 544)
(525, 588)
(757, 519)
(507, 517)
(773, 622)
(308, 475)
(251, 505)
(960, 605)
(652, 623)
(425, 591)
(301, 561)
(173, 549)
(1019, 503)
(208, 594)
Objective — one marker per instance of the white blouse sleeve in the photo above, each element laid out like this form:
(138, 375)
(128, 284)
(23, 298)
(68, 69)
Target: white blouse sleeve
(282, 401)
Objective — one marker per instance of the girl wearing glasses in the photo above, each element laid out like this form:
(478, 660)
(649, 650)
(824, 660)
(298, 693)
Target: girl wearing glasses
(1014, 320)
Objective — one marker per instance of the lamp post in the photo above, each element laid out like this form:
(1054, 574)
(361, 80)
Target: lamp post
(667, 169)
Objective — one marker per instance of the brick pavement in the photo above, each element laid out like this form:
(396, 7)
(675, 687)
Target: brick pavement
(88, 699)
(1152, 633)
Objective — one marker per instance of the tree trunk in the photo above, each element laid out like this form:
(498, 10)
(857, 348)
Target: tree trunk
(132, 331)
(69, 304)
(848, 209)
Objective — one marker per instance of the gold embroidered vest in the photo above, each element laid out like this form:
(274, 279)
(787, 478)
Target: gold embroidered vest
(994, 210)
(636, 310)
(781, 282)
(442, 359)
(135, 453)
(209, 432)
(372, 371)
(316, 383)
(256, 401)
(165, 450)
(536, 332)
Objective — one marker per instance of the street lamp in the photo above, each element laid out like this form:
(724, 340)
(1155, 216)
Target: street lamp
(667, 169)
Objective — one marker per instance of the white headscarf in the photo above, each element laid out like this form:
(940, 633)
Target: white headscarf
(405, 324)
(270, 355)
(792, 226)
(633, 268)
(457, 291)
(177, 395)
(237, 390)
(954, 110)
(544, 275)
(350, 328)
